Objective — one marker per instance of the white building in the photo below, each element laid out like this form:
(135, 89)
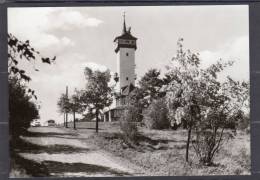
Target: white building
(125, 76)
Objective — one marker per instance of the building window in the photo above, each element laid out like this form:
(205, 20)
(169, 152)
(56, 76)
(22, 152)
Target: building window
(127, 54)
(127, 78)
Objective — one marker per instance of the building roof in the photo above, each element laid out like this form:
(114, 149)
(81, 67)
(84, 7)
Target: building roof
(126, 33)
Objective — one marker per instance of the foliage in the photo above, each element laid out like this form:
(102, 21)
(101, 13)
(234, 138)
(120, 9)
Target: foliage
(128, 124)
(135, 98)
(156, 115)
(150, 85)
(183, 92)
(19, 50)
(22, 110)
(197, 98)
(64, 107)
(243, 121)
(224, 110)
(88, 116)
(63, 104)
(71, 104)
(75, 105)
(97, 93)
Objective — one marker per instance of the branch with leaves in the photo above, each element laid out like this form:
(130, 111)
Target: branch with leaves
(18, 51)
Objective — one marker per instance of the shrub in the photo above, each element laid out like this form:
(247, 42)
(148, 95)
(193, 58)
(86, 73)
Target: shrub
(244, 122)
(208, 143)
(128, 124)
(22, 110)
(156, 115)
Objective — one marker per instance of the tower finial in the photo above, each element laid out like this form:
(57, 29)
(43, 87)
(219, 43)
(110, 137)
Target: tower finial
(124, 25)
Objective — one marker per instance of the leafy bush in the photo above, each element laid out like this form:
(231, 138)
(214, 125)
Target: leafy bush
(128, 124)
(210, 135)
(22, 111)
(244, 122)
(156, 115)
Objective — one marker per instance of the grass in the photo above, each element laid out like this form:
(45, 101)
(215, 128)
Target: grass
(162, 152)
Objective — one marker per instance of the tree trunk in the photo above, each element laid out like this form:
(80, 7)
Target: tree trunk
(74, 120)
(96, 121)
(66, 120)
(188, 144)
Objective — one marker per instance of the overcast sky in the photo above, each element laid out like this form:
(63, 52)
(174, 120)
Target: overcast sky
(83, 36)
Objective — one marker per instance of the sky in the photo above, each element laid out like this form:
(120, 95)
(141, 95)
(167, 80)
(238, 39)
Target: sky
(83, 36)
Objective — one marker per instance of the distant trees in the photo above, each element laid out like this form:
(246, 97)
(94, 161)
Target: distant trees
(96, 95)
(150, 85)
(156, 115)
(22, 107)
(72, 104)
(149, 89)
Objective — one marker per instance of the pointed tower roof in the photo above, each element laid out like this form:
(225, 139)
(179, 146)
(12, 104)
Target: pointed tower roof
(124, 25)
(126, 34)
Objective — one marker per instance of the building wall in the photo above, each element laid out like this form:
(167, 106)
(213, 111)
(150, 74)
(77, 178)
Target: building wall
(126, 66)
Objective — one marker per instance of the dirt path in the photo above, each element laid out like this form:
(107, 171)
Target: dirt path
(65, 154)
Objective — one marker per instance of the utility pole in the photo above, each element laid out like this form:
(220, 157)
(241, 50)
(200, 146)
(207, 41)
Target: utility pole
(66, 112)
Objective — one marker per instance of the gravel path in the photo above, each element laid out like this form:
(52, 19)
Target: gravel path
(66, 154)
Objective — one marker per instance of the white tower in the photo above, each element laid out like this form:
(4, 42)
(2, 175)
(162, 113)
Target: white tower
(125, 50)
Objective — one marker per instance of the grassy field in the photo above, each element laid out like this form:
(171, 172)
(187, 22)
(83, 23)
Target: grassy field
(162, 152)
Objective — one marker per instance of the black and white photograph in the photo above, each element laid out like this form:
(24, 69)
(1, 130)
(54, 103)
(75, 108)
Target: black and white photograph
(105, 91)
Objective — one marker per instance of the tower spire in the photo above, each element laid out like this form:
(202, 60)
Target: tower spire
(124, 25)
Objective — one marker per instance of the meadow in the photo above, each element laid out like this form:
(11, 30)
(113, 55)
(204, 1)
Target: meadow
(162, 152)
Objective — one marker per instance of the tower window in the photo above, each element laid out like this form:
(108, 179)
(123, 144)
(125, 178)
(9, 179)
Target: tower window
(127, 54)
(127, 78)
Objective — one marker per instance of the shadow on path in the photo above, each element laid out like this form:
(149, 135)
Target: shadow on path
(100, 129)
(49, 134)
(32, 168)
(59, 167)
(27, 147)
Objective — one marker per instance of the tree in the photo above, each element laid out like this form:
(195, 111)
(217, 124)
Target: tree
(183, 91)
(22, 105)
(222, 110)
(97, 94)
(156, 115)
(64, 107)
(150, 85)
(75, 105)
(190, 87)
